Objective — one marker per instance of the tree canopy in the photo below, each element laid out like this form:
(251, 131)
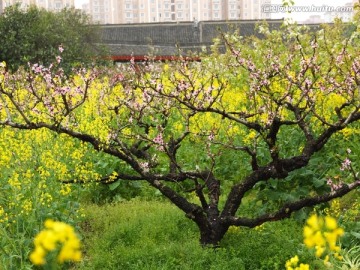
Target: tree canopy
(246, 136)
(34, 35)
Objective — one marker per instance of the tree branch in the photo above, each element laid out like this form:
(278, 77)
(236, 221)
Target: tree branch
(288, 208)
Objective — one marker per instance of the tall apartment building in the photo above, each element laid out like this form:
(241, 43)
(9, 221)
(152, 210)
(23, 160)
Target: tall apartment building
(253, 9)
(53, 5)
(145, 11)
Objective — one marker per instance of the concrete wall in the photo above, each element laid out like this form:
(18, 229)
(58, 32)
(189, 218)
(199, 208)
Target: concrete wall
(166, 38)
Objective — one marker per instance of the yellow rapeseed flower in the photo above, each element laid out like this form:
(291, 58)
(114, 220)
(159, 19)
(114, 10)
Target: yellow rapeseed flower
(330, 223)
(59, 237)
(314, 222)
(292, 264)
(47, 239)
(65, 189)
(322, 234)
(3, 215)
(294, 260)
(37, 257)
(319, 251)
(304, 267)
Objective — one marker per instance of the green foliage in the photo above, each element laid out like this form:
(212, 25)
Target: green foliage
(351, 259)
(350, 218)
(34, 35)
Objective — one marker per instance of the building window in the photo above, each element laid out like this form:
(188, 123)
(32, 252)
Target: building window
(179, 6)
(167, 15)
(128, 6)
(179, 15)
(216, 6)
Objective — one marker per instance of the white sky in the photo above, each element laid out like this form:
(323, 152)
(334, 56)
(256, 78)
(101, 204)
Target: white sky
(79, 3)
(296, 16)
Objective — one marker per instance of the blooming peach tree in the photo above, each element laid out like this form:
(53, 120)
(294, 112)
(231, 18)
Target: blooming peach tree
(254, 132)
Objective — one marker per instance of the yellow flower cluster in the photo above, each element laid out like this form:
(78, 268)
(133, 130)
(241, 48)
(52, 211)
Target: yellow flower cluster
(57, 236)
(347, 132)
(292, 264)
(14, 181)
(250, 137)
(113, 176)
(260, 228)
(65, 189)
(334, 210)
(3, 215)
(234, 230)
(27, 207)
(323, 234)
(353, 212)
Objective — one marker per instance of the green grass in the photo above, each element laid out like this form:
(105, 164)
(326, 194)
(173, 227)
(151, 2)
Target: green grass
(156, 235)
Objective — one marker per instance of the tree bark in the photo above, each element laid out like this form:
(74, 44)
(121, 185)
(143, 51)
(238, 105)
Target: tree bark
(212, 233)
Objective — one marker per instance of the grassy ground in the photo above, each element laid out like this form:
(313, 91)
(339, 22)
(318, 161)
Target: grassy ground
(156, 235)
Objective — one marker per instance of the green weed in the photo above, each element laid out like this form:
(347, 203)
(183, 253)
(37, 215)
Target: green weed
(155, 235)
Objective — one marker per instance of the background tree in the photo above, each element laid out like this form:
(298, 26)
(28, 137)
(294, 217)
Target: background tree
(34, 35)
(245, 137)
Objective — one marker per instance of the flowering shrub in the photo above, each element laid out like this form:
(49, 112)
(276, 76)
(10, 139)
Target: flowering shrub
(252, 122)
(57, 237)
